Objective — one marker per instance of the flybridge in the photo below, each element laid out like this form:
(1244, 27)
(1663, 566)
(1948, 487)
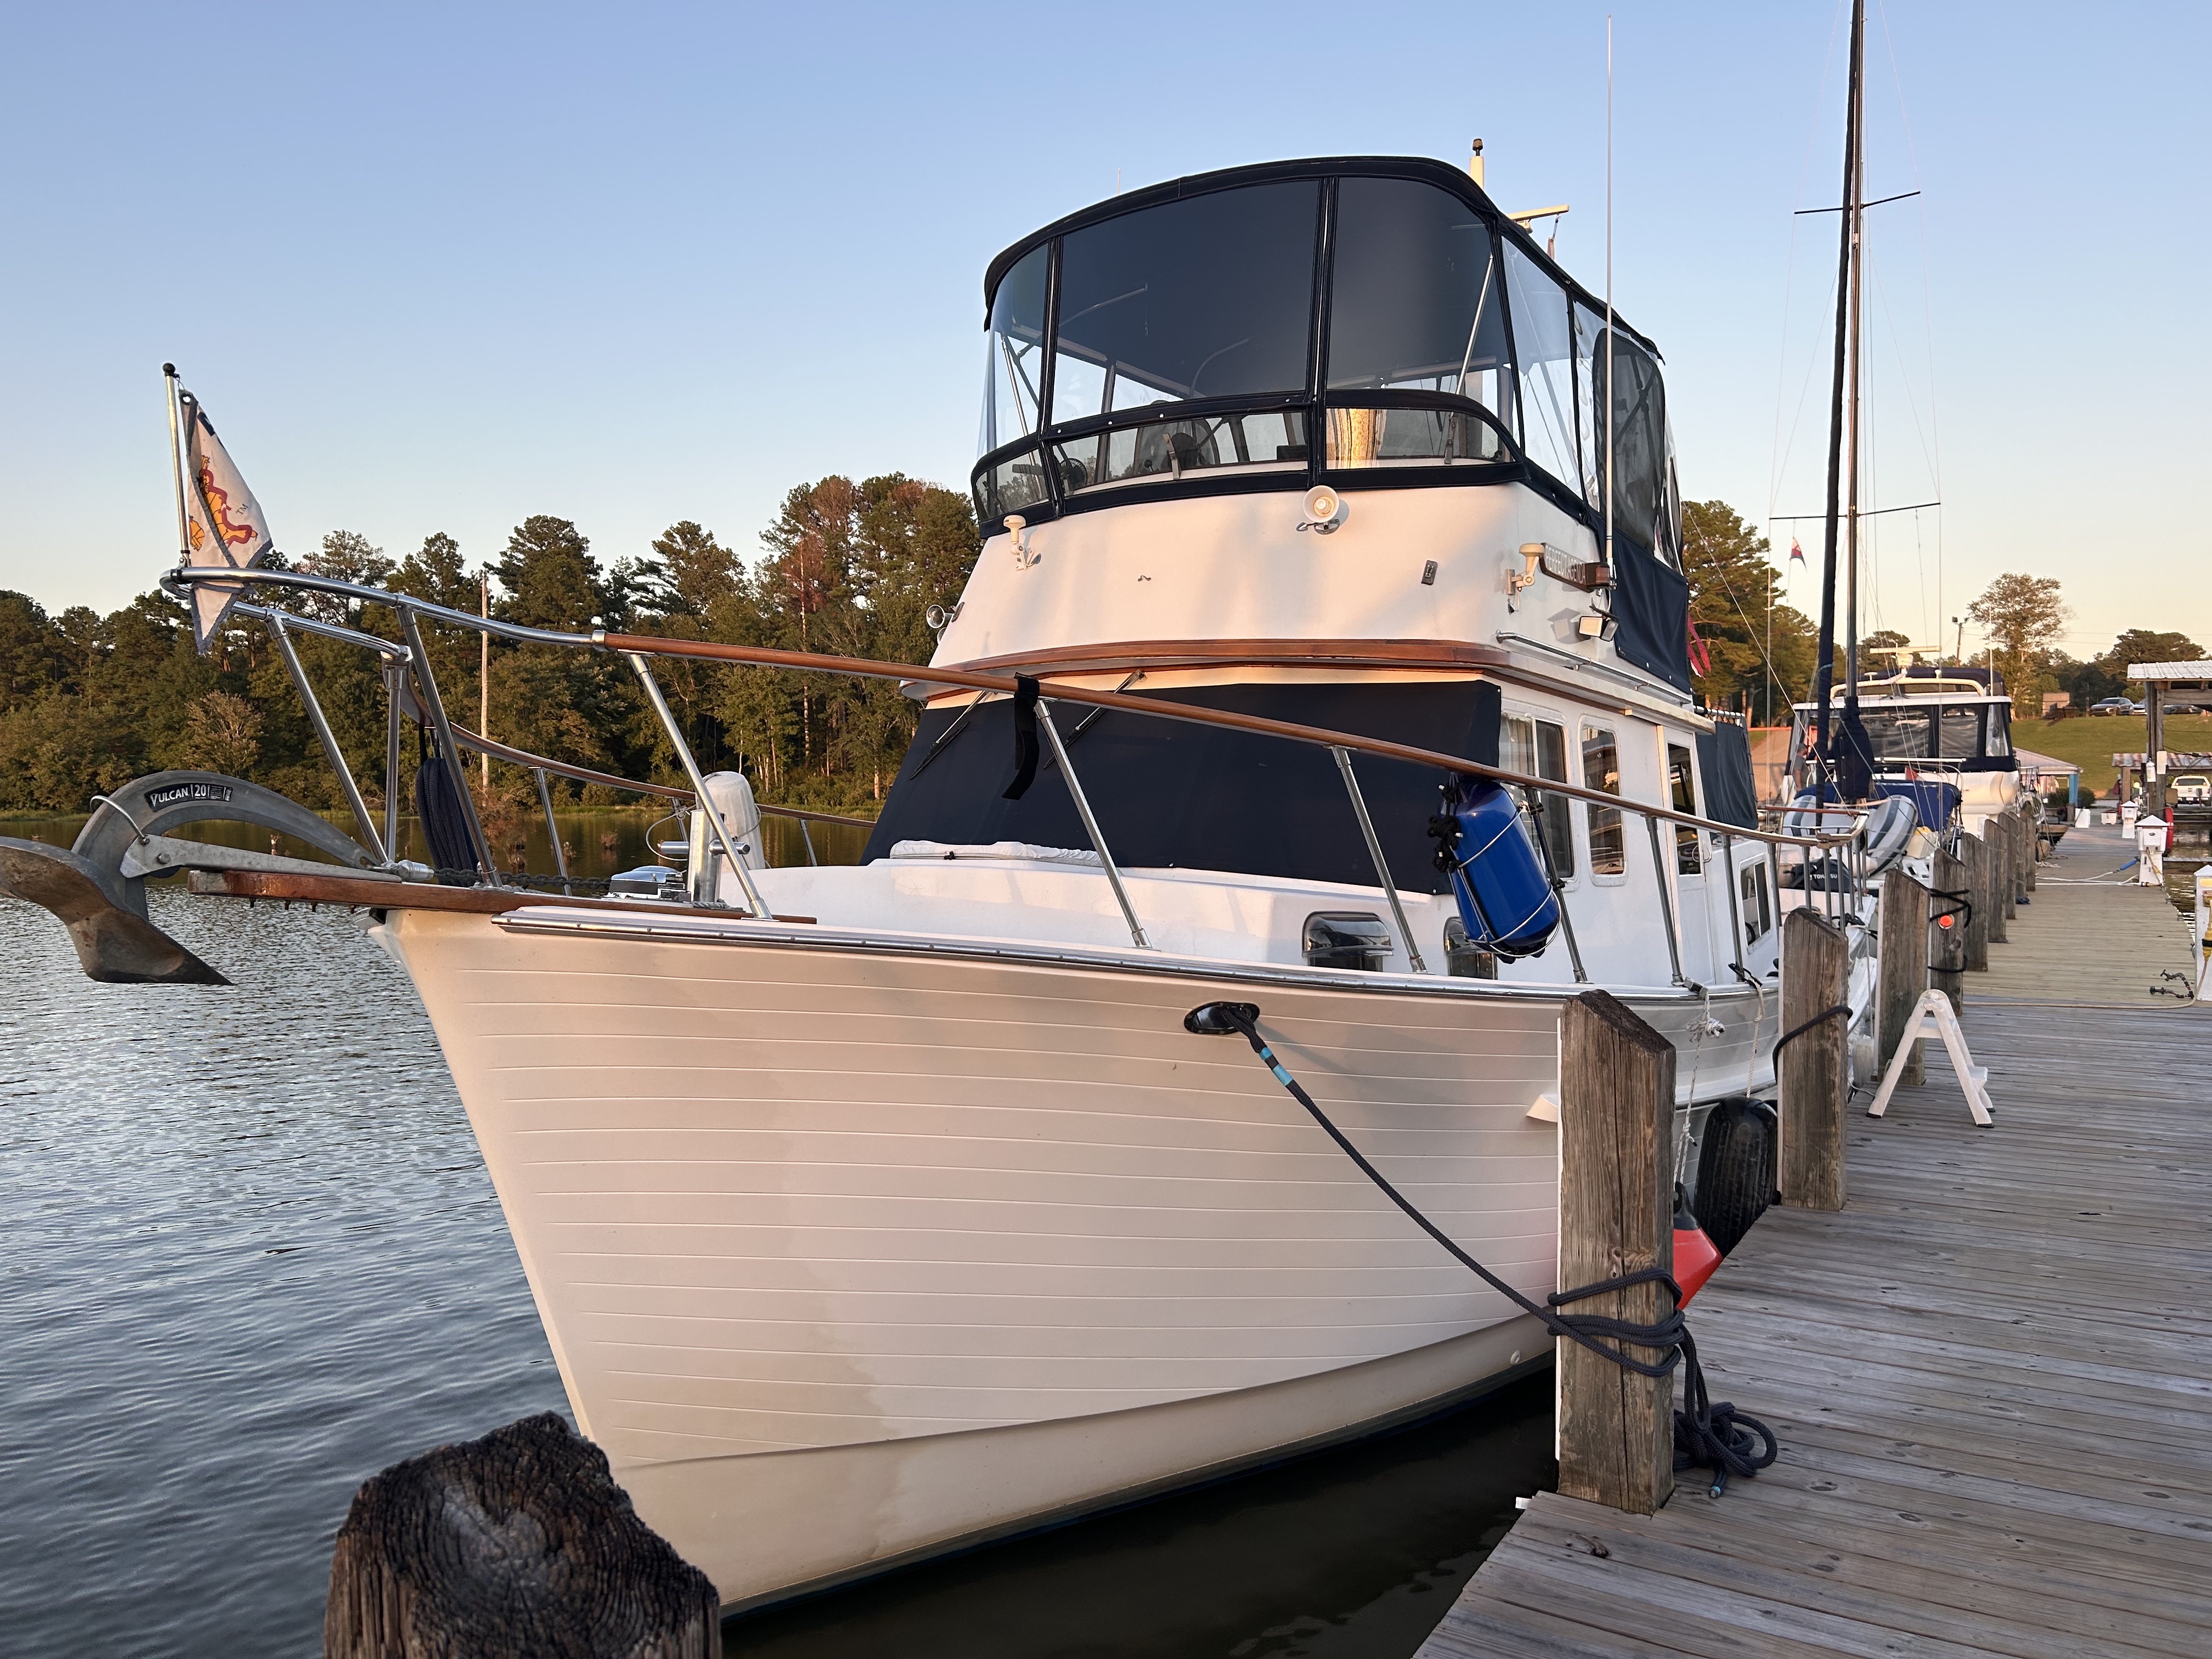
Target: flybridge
(1363, 322)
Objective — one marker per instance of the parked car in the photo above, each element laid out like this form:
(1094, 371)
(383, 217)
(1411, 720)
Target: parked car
(2112, 706)
(2192, 785)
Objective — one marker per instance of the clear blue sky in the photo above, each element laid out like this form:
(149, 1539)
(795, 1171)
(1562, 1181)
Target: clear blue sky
(440, 268)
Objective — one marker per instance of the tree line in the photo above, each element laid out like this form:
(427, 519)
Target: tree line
(88, 702)
(1760, 653)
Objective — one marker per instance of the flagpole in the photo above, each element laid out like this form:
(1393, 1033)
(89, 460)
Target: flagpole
(177, 461)
(1609, 398)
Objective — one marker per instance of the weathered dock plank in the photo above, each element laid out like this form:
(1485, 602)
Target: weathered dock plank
(1991, 1372)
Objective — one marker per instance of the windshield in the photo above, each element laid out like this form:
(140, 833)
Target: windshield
(1924, 734)
(1200, 335)
(1209, 297)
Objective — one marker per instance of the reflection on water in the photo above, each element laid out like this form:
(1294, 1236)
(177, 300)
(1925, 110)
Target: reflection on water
(253, 1257)
(1354, 1554)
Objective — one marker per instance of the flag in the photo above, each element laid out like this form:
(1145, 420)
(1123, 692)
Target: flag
(1796, 553)
(223, 523)
(1701, 656)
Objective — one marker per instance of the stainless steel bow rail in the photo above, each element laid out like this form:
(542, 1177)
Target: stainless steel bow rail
(412, 691)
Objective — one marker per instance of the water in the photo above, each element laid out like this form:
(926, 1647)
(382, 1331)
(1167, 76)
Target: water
(253, 1257)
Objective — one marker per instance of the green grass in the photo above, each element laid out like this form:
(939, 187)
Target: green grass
(2090, 741)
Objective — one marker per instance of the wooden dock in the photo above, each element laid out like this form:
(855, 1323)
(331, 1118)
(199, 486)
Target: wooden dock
(1991, 1373)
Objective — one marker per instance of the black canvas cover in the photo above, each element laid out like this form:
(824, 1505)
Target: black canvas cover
(1651, 604)
(1724, 761)
(1169, 794)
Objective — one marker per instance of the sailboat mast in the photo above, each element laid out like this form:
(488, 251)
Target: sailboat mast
(1824, 677)
(1854, 218)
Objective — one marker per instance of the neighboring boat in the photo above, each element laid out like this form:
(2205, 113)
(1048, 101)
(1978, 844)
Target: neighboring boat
(871, 1211)
(1939, 737)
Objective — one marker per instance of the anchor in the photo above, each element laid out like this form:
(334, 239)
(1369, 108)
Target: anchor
(97, 887)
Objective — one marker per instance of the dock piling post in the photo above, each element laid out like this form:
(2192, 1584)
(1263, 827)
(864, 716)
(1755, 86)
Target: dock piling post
(2015, 866)
(1904, 967)
(1996, 874)
(1815, 1073)
(1946, 954)
(1974, 853)
(1616, 1215)
(518, 1543)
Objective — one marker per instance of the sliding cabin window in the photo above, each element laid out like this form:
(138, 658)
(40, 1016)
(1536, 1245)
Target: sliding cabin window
(1608, 842)
(1682, 789)
(1537, 748)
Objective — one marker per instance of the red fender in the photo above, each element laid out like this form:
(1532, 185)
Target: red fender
(1695, 1257)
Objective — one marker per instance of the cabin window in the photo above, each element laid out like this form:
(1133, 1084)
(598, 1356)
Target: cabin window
(1962, 734)
(1275, 439)
(1014, 369)
(1014, 484)
(1608, 843)
(1758, 906)
(1414, 300)
(1544, 350)
(1682, 789)
(1429, 437)
(1999, 741)
(1538, 749)
(1209, 297)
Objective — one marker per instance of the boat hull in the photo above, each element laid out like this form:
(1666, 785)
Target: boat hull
(848, 1255)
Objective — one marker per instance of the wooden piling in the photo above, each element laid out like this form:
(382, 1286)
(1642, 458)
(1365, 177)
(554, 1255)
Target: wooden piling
(1616, 1216)
(1816, 1077)
(1946, 953)
(1904, 967)
(1991, 883)
(2015, 879)
(517, 1544)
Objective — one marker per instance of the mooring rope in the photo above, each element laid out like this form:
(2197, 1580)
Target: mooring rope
(1710, 1435)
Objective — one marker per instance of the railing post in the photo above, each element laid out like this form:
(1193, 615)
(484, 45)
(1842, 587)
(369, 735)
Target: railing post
(701, 802)
(552, 828)
(1091, 828)
(1735, 915)
(1374, 851)
(1946, 955)
(1813, 1073)
(1666, 900)
(328, 740)
(1616, 1215)
(1904, 966)
(1974, 853)
(392, 727)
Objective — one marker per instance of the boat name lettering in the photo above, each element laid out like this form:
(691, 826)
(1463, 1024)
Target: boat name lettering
(158, 798)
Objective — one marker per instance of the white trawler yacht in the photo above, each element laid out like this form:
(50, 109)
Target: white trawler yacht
(875, 1211)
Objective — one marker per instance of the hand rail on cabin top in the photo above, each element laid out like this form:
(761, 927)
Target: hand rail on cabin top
(866, 668)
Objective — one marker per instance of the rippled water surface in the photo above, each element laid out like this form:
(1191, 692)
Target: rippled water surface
(252, 1257)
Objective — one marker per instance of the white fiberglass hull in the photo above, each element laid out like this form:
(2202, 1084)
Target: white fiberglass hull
(848, 1255)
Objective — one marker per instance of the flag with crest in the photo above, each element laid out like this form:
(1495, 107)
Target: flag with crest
(224, 525)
